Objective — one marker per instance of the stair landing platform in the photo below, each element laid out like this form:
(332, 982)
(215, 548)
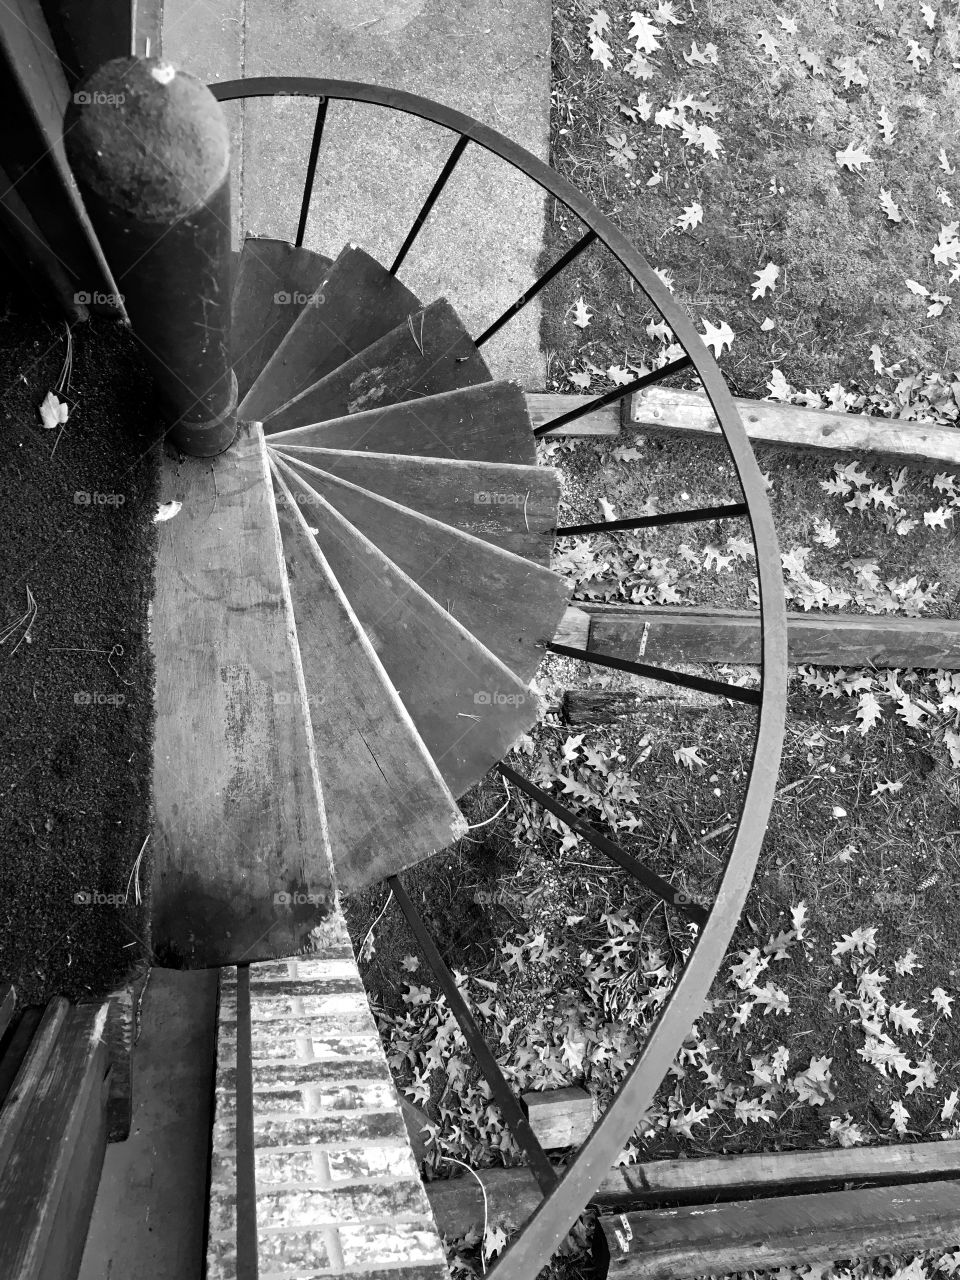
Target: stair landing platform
(264, 1106)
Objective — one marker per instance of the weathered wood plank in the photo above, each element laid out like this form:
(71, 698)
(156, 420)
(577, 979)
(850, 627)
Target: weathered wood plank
(238, 816)
(468, 707)
(50, 1162)
(512, 507)
(8, 1002)
(583, 707)
(759, 1234)
(120, 1036)
(574, 628)
(270, 275)
(513, 1194)
(560, 1117)
(358, 303)
(429, 352)
(485, 423)
(17, 1046)
(511, 604)
(543, 406)
(767, 422)
(386, 803)
(665, 635)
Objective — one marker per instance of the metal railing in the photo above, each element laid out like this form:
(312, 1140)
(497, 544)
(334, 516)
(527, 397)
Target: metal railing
(566, 1196)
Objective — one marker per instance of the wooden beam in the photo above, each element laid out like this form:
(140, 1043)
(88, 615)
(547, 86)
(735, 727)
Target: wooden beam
(767, 422)
(582, 707)
(665, 635)
(513, 1194)
(560, 1117)
(542, 406)
(747, 1235)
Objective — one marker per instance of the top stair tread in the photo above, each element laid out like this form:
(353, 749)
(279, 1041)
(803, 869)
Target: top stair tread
(386, 804)
(359, 302)
(429, 352)
(270, 276)
(488, 422)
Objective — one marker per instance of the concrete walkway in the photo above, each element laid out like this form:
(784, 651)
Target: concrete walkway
(488, 58)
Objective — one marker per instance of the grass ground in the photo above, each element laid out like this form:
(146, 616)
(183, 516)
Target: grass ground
(76, 674)
(831, 1021)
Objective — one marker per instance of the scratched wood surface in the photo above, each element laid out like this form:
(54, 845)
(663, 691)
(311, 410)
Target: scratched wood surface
(240, 857)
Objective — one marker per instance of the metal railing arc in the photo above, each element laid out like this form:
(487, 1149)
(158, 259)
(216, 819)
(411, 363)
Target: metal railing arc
(566, 1197)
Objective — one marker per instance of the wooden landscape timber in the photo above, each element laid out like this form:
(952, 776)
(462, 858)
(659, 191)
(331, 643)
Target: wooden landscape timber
(662, 635)
(513, 1194)
(768, 422)
(560, 1117)
(753, 1235)
(543, 406)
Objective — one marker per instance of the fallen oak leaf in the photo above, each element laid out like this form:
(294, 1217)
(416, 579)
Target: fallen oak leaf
(691, 217)
(889, 206)
(717, 336)
(887, 127)
(810, 58)
(853, 158)
(582, 316)
(705, 57)
(765, 280)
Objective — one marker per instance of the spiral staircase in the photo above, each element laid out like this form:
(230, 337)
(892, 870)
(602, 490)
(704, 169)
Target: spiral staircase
(353, 595)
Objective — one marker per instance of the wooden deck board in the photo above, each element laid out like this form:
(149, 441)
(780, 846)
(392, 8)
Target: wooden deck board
(387, 805)
(510, 604)
(429, 353)
(52, 1156)
(359, 303)
(467, 706)
(267, 272)
(237, 812)
(485, 423)
(513, 507)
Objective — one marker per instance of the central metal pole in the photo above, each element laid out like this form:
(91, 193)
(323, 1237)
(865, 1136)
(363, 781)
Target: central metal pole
(150, 149)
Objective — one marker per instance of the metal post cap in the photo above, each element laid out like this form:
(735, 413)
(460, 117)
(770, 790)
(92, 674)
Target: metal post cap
(150, 141)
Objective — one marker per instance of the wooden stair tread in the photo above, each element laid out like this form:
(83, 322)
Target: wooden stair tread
(259, 321)
(514, 507)
(236, 797)
(359, 303)
(429, 352)
(52, 1141)
(468, 707)
(495, 594)
(761, 1234)
(386, 804)
(484, 423)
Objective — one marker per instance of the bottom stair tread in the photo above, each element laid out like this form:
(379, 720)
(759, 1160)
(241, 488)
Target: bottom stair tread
(386, 805)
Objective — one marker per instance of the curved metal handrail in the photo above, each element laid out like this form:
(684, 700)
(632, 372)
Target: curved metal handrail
(555, 1215)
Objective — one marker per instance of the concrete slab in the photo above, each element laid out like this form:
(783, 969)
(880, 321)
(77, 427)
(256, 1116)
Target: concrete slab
(148, 1220)
(485, 57)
